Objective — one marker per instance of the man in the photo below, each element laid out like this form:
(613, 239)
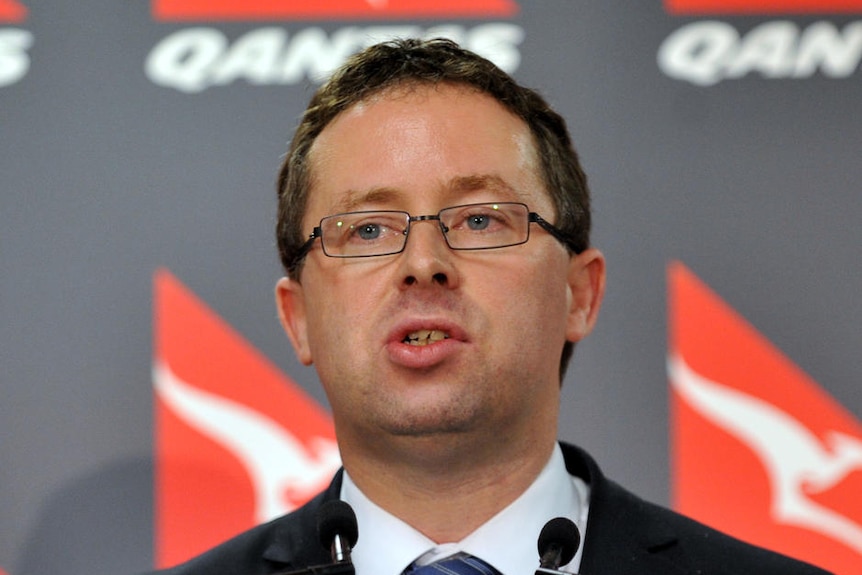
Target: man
(434, 224)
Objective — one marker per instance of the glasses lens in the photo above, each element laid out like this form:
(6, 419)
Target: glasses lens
(358, 234)
(484, 226)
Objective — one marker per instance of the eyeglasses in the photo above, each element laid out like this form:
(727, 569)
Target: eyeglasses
(468, 227)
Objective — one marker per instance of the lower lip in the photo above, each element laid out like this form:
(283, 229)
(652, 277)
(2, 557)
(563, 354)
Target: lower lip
(422, 356)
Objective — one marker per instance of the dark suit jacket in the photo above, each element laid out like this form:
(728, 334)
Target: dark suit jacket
(625, 536)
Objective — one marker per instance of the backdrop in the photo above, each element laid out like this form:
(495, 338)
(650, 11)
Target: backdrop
(139, 143)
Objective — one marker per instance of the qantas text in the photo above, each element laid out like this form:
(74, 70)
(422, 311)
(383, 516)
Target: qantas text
(14, 58)
(194, 59)
(707, 52)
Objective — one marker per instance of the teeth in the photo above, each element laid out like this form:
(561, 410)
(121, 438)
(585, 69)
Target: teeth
(425, 336)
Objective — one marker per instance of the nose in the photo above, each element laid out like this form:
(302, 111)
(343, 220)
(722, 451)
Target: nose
(427, 259)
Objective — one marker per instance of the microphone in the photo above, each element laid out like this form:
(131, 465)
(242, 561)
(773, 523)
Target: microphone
(338, 532)
(557, 544)
(337, 529)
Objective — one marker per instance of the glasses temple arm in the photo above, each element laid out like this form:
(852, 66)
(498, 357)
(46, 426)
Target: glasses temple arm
(558, 234)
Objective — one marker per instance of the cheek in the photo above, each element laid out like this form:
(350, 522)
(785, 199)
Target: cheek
(530, 300)
(339, 316)
(325, 317)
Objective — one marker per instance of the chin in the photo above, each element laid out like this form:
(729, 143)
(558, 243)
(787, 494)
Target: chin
(424, 425)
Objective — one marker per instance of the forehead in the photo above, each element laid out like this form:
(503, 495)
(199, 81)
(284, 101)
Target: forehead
(418, 144)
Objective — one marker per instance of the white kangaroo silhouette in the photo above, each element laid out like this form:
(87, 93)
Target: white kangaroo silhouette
(795, 459)
(276, 461)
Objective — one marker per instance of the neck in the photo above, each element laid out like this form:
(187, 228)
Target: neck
(448, 488)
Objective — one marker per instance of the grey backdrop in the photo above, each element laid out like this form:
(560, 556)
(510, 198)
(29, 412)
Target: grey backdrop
(752, 182)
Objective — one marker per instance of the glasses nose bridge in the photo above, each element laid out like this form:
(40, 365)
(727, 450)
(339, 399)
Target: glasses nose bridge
(428, 218)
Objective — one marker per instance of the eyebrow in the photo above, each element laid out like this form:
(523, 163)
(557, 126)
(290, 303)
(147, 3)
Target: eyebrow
(354, 199)
(480, 182)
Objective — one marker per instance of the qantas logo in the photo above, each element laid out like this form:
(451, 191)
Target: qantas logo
(194, 59)
(759, 450)
(237, 442)
(706, 52)
(796, 461)
(14, 43)
(284, 473)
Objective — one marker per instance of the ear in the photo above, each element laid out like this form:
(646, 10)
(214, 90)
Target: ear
(290, 301)
(586, 288)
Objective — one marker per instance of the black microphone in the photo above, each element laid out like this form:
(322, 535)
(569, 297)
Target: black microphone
(557, 544)
(337, 529)
(338, 532)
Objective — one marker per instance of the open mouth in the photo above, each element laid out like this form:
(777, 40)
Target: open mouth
(425, 337)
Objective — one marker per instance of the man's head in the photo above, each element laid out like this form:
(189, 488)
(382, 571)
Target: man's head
(413, 63)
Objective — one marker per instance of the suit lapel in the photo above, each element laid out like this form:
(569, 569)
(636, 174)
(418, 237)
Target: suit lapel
(294, 543)
(622, 536)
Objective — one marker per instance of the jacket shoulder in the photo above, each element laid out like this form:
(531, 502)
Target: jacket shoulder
(629, 535)
(283, 544)
(709, 551)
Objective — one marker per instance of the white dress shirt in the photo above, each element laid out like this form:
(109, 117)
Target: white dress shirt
(387, 545)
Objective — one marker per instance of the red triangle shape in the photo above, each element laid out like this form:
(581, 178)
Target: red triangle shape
(212, 390)
(753, 438)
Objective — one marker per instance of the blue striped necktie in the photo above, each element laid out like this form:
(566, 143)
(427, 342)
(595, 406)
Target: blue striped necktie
(458, 564)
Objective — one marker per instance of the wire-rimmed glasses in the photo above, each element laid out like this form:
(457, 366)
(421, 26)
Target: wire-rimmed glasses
(467, 227)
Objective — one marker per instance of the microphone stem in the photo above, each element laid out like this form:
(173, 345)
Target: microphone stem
(340, 551)
(552, 558)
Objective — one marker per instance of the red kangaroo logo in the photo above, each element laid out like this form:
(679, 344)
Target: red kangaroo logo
(760, 450)
(237, 442)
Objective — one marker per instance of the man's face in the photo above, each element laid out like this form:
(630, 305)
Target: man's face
(497, 318)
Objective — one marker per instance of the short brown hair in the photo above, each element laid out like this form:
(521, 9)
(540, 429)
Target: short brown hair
(407, 61)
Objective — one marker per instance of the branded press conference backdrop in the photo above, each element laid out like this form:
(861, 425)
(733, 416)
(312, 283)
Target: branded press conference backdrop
(140, 346)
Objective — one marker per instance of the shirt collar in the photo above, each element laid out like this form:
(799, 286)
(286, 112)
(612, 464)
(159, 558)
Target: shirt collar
(387, 545)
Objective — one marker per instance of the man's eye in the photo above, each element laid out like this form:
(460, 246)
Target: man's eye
(482, 221)
(478, 222)
(368, 231)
